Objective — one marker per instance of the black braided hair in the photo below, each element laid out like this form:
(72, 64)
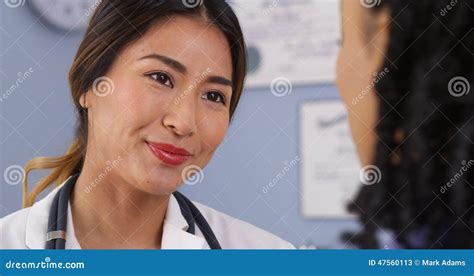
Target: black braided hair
(425, 149)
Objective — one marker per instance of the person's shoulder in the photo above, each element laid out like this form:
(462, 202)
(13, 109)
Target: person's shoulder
(26, 228)
(234, 233)
(13, 228)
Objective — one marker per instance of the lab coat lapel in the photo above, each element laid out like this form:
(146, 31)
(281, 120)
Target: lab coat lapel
(176, 238)
(37, 222)
(174, 230)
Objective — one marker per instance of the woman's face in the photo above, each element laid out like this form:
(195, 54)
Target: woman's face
(365, 36)
(169, 107)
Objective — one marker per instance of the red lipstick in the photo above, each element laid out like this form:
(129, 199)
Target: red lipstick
(168, 153)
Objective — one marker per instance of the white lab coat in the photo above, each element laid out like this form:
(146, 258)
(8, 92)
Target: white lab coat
(26, 229)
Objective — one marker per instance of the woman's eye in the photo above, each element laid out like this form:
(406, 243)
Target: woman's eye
(162, 78)
(215, 96)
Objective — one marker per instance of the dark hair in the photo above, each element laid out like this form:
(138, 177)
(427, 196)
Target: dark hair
(114, 25)
(426, 130)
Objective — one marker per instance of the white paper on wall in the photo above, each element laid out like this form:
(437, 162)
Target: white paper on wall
(329, 176)
(297, 39)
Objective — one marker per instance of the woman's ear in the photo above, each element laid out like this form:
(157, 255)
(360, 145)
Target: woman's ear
(83, 100)
(378, 28)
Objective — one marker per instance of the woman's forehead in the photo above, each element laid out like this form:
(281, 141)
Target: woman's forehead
(192, 42)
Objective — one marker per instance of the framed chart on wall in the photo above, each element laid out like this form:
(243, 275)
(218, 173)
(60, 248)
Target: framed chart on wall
(297, 39)
(329, 176)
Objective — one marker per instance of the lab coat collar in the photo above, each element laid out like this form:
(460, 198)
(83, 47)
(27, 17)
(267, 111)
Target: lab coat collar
(37, 222)
(174, 227)
(174, 215)
(174, 230)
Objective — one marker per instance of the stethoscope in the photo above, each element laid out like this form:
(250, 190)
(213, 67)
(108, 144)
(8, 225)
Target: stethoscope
(57, 222)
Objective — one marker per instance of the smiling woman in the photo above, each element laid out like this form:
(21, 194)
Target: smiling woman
(155, 85)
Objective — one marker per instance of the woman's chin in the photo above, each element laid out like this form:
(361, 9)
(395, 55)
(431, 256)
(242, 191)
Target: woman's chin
(161, 182)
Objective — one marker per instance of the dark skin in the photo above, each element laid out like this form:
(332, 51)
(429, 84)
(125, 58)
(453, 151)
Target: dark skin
(365, 38)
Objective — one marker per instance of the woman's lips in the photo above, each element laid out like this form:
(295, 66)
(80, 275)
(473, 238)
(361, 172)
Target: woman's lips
(168, 153)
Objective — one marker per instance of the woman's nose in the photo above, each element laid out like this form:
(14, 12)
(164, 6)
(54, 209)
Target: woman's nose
(181, 116)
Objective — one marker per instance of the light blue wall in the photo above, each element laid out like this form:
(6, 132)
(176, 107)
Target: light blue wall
(38, 119)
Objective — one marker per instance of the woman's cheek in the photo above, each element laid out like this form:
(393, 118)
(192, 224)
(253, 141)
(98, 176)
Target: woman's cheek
(140, 104)
(214, 131)
(343, 76)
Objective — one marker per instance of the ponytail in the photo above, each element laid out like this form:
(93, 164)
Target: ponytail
(63, 167)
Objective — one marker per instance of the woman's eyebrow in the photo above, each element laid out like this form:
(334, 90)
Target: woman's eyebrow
(178, 66)
(219, 80)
